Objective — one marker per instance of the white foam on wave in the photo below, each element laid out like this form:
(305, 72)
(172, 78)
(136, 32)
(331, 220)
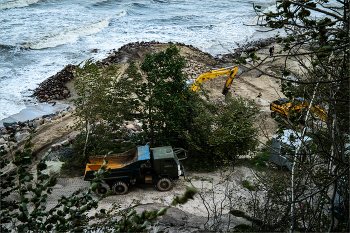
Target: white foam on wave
(258, 19)
(68, 36)
(10, 106)
(16, 4)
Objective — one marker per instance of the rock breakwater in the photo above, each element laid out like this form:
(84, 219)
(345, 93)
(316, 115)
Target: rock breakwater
(14, 132)
(54, 88)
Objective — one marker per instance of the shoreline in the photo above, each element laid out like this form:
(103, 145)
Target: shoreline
(36, 110)
(258, 40)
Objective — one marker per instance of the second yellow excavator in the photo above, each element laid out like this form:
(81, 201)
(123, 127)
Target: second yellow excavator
(284, 108)
(214, 74)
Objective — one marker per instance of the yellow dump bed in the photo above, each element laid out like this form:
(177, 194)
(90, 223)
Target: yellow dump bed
(113, 161)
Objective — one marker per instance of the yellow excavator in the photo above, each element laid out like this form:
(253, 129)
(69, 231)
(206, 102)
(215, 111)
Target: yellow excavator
(214, 74)
(284, 108)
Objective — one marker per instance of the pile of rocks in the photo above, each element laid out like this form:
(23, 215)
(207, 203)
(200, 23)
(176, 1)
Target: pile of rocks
(119, 56)
(54, 87)
(246, 48)
(193, 69)
(13, 132)
(62, 153)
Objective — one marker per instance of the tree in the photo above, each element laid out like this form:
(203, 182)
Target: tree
(318, 40)
(229, 139)
(104, 100)
(164, 96)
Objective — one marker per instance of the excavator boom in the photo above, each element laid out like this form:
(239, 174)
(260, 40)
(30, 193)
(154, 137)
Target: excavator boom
(214, 74)
(283, 108)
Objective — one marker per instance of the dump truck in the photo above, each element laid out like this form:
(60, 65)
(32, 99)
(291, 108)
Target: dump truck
(159, 166)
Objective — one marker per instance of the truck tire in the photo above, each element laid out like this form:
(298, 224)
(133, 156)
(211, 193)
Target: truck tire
(273, 114)
(120, 188)
(164, 184)
(103, 190)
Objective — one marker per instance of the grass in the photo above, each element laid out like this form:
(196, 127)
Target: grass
(246, 184)
(258, 162)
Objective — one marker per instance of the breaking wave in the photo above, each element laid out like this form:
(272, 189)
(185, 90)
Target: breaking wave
(16, 4)
(68, 36)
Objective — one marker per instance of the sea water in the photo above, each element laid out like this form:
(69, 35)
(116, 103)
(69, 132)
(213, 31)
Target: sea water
(40, 37)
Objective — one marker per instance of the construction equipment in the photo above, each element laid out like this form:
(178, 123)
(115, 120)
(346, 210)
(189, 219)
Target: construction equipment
(159, 166)
(214, 74)
(284, 108)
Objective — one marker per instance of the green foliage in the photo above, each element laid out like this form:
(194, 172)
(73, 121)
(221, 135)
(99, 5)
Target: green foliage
(104, 96)
(129, 219)
(189, 194)
(234, 132)
(30, 212)
(162, 96)
(199, 131)
(100, 143)
(246, 184)
(104, 101)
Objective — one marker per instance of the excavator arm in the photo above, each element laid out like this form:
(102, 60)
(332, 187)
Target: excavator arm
(214, 74)
(282, 108)
(319, 112)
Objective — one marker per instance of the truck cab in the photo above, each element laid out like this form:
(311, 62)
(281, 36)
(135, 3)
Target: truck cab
(165, 161)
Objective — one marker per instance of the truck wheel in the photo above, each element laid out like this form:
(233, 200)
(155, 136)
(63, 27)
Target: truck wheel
(273, 114)
(120, 188)
(103, 190)
(164, 184)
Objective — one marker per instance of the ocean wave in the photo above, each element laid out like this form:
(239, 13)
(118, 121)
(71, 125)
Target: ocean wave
(15, 48)
(6, 47)
(16, 4)
(139, 5)
(68, 36)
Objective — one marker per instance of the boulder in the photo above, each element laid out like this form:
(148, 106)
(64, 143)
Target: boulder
(132, 127)
(2, 141)
(63, 113)
(71, 138)
(26, 128)
(55, 147)
(243, 54)
(21, 136)
(65, 142)
(55, 117)
(4, 146)
(138, 126)
(47, 120)
(36, 123)
(8, 123)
